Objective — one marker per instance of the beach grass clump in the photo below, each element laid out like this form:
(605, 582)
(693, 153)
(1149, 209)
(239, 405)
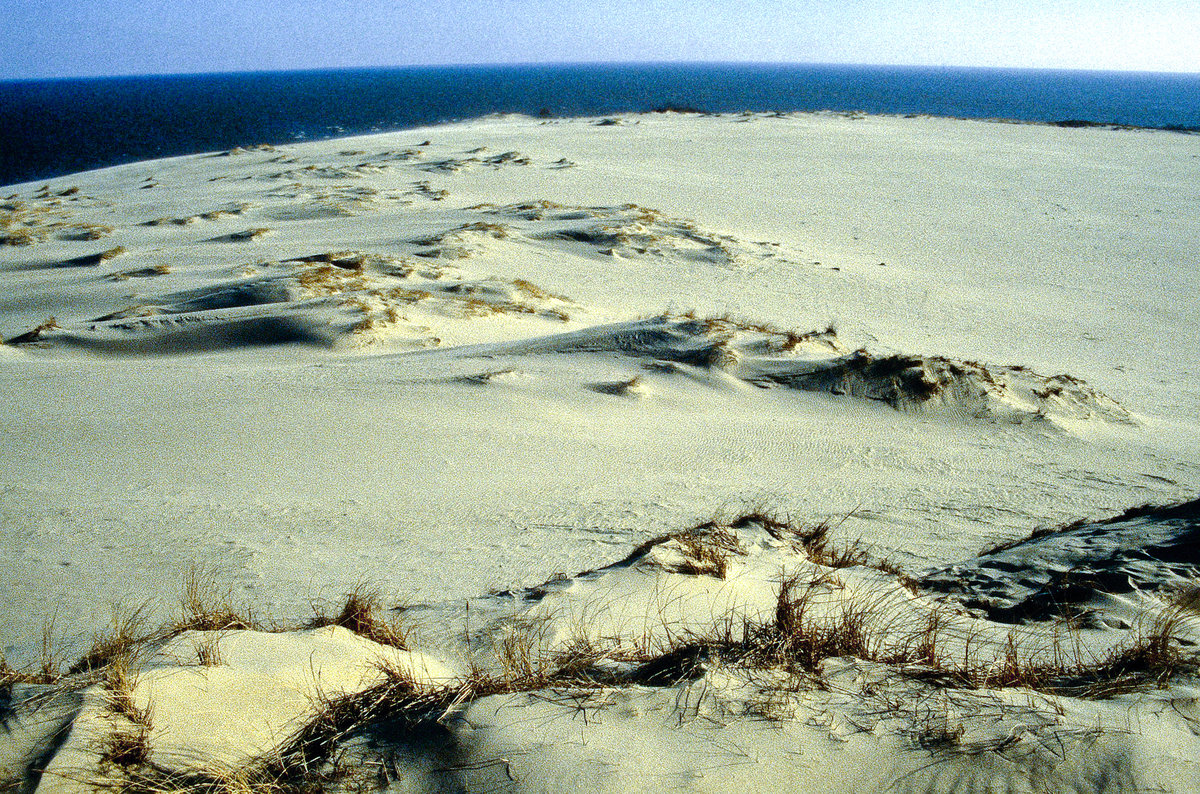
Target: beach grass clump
(250, 234)
(800, 638)
(706, 550)
(1151, 659)
(47, 671)
(360, 613)
(519, 650)
(531, 290)
(119, 680)
(206, 606)
(111, 253)
(126, 635)
(326, 280)
(812, 540)
(1187, 598)
(804, 633)
(50, 324)
(86, 231)
(127, 745)
(141, 272)
(208, 651)
(123, 749)
(21, 236)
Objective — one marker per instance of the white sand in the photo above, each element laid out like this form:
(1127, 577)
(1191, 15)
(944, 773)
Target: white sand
(500, 391)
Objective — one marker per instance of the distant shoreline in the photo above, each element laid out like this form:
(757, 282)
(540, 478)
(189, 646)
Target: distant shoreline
(50, 128)
(1063, 124)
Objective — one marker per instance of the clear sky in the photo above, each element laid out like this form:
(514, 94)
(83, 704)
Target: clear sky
(60, 38)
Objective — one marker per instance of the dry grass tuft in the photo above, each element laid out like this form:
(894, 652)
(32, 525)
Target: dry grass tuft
(308, 762)
(124, 638)
(1187, 598)
(534, 291)
(112, 253)
(119, 679)
(22, 236)
(127, 746)
(50, 324)
(360, 614)
(125, 749)
(141, 272)
(706, 549)
(799, 640)
(208, 651)
(47, 670)
(207, 607)
(250, 234)
(812, 540)
(86, 231)
(1152, 658)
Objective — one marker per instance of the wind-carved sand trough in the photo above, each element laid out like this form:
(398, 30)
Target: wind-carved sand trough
(818, 362)
(353, 298)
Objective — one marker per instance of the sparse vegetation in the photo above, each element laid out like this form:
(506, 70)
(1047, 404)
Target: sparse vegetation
(206, 606)
(250, 234)
(707, 550)
(50, 324)
(21, 236)
(85, 231)
(126, 635)
(143, 272)
(360, 614)
(815, 619)
(126, 747)
(208, 651)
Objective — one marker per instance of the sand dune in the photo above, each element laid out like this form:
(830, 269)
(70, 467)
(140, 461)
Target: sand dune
(507, 372)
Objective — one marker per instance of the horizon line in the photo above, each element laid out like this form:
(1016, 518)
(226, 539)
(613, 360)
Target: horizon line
(578, 64)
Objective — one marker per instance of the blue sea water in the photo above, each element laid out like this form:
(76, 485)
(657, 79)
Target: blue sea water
(54, 127)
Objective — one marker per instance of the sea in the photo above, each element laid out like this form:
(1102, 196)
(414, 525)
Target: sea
(53, 127)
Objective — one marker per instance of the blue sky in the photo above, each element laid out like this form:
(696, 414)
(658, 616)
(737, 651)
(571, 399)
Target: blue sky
(59, 38)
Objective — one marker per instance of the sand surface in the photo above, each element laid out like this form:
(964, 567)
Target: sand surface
(474, 358)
